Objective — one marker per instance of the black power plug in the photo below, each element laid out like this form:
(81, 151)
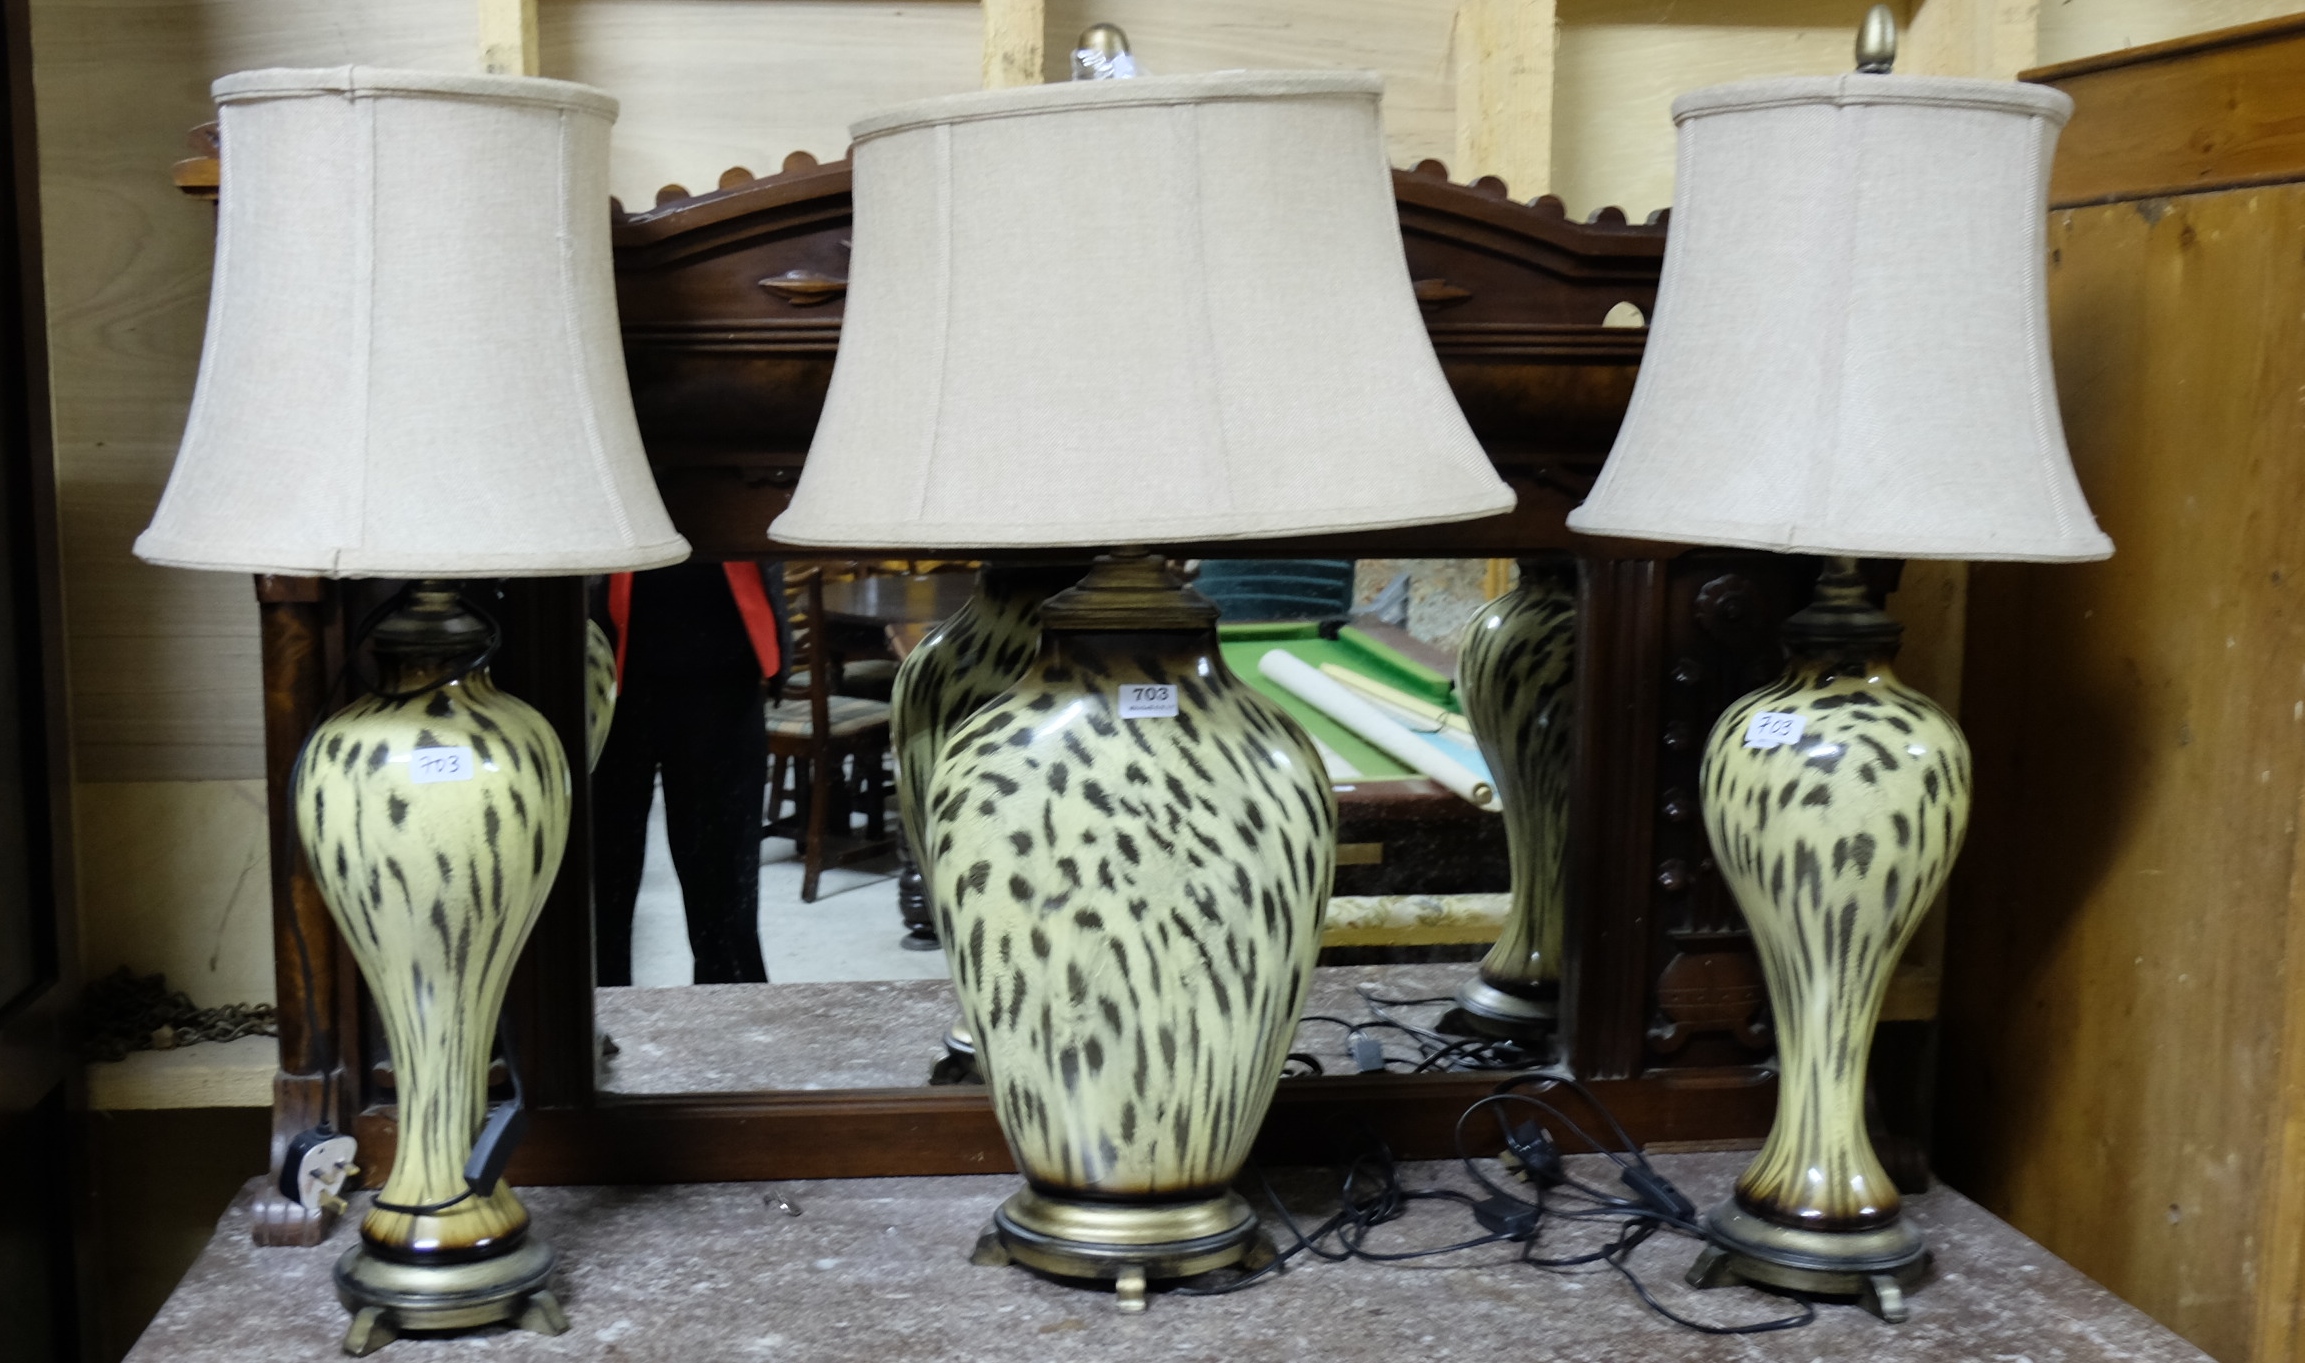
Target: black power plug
(1540, 1159)
(1652, 1191)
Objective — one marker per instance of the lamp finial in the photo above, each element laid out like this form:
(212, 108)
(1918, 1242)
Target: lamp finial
(1877, 41)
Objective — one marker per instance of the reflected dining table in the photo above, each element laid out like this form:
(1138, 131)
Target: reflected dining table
(887, 617)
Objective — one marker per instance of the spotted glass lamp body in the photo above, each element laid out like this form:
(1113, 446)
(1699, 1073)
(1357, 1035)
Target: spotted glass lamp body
(434, 823)
(1133, 852)
(1836, 800)
(1516, 673)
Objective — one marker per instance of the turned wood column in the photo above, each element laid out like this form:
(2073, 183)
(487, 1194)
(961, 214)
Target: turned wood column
(296, 615)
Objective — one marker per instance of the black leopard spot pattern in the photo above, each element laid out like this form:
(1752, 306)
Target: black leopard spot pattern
(435, 888)
(1132, 908)
(1835, 845)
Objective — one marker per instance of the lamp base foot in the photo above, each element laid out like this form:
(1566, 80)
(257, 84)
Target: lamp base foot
(1491, 1011)
(388, 1299)
(1127, 1244)
(1876, 1267)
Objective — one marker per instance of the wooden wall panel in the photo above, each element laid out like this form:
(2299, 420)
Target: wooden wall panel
(707, 84)
(1623, 61)
(1506, 56)
(2115, 993)
(2084, 28)
(1408, 40)
(2194, 114)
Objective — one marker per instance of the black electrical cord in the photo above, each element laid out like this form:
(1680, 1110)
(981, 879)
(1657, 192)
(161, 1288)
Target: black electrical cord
(1371, 1194)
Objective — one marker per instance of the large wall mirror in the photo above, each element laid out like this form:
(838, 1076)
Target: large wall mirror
(815, 964)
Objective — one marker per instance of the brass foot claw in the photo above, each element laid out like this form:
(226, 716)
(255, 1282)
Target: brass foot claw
(989, 1251)
(369, 1332)
(1884, 1297)
(542, 1315)
(1128, 1289)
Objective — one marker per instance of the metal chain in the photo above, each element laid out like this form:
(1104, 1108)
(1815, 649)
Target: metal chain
(124, 1012)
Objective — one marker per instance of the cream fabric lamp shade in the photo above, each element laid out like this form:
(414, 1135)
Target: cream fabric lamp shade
(413, 366)
(1132, 312)
(1850, 353)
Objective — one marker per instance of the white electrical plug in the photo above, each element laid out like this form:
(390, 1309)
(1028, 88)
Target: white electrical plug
(326, 1167)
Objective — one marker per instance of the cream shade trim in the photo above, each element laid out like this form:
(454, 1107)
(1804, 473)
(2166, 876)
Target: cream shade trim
(1850, 349)
(1151, 311)
(1139, 92)
(371, 81)
(413, 365)
(1858, 91)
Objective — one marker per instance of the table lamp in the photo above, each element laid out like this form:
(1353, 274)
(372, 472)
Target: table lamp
(1849, 358)
(1125, 316)
(413, 370)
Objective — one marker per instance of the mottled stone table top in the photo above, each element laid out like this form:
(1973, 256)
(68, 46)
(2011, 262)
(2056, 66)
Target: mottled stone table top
(875, 1270)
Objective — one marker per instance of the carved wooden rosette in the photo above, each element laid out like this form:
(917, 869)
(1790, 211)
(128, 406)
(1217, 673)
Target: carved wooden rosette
(435, 885)
(1835, 843)
(1516, 673)
(1132, 907)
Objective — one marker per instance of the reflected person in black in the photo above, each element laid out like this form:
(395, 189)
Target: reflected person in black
(696, 646)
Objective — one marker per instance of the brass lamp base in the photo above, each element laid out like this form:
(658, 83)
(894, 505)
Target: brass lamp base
(1127, 1242)
(1493, 1012)
(388, 1298)
(1875, 1266)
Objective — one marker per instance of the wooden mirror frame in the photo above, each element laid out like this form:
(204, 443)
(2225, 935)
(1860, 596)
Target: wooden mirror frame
(731, 304)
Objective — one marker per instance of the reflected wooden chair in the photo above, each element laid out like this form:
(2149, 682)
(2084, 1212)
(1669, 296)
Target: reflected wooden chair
(828, 754)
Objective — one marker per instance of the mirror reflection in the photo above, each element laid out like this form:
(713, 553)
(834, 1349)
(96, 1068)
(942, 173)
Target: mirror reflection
(769, 863)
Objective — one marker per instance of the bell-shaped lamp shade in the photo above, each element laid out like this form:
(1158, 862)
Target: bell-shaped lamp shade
(413, 366)
(1850, 352)
(1133, 312)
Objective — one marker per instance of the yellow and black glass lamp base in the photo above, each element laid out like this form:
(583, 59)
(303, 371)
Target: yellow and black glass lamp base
(1875, 1266)
(1127, 1243)
(389, 1297)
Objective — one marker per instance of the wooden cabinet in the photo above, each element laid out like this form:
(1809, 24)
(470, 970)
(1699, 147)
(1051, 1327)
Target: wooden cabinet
(2124, 1026)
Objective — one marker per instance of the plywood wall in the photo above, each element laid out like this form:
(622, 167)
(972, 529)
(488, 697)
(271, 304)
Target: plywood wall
(709, 84)
(1409, 41)
(2084, 28)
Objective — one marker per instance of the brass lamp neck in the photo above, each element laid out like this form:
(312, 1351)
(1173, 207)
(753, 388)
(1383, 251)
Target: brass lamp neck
(1129, 590)
(433, 637)
(1841, 621)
